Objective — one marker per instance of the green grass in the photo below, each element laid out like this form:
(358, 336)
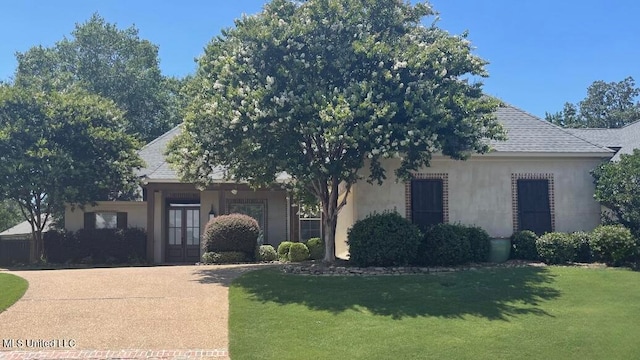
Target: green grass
(518, 313)
(11, 289)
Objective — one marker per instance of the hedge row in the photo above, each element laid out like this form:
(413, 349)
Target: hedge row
(611, 244)
(96, 246)
(388, 239)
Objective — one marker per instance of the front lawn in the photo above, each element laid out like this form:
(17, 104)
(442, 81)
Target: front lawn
(11, 289)
(506, 313)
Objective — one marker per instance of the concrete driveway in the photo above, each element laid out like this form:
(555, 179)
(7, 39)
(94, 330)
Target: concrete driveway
(150, 308)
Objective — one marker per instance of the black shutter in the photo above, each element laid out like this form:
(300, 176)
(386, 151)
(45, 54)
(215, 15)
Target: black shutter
(122, 220)
(427, 202)
(89, 220)
(534, 212)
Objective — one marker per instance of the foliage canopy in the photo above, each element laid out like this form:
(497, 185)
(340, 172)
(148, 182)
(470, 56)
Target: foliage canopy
(113, 63)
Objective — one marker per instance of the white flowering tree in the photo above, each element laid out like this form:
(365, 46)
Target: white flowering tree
(322, 88)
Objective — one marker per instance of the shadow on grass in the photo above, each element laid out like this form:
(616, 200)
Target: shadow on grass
(495, 294)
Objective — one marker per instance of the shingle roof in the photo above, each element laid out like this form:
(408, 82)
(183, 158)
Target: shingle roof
(24, 228)
(526, 134)
(529, 134)
(157, 168)
(153, 153)
(626, 138)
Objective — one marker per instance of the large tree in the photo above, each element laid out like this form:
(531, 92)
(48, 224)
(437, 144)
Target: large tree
(607, 105)
(62, 148)
(323, 88)
(618, 188)
(116, 64)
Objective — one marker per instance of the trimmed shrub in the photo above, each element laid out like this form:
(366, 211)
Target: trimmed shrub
(266, 253)
(445, 245)
(298, 252)
(224, 257)
(581, 242)
(480, 243)
(283, 250)
(233, 232)
(612, 244)
(316, 248)
(523, 245)
(385, 239)
(556, 248)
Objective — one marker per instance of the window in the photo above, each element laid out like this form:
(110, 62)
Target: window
(106, 220)
(534, 210)
(427, 202)
(310, 228)
(256, 208)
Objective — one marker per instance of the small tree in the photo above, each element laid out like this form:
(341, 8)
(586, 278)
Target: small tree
(62, 148)
(323, 88)
(618, 188)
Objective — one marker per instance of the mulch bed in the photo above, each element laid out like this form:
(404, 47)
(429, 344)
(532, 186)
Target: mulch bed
(342, 268)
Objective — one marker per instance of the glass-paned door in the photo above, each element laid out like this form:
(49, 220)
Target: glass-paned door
(183, 233)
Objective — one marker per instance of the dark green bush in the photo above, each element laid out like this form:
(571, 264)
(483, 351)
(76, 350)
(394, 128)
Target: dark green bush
(445, 245)
(523, 245)
(581, 242)
(316, 248)
(298, 252)
(234, 232)
(283, 250)
(224, 257)
(480, 243)
(556, 248)
(385, 239)
(266, 253)
(60, 247)
(96, 246)
(612, 244)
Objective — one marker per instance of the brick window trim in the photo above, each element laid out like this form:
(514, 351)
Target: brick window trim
(514, 196)
(428, 176)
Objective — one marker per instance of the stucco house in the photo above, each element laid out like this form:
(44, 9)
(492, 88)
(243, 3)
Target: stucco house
(538, 179)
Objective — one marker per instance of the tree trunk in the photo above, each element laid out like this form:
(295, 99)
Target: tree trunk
(329, 235)
(38, 244)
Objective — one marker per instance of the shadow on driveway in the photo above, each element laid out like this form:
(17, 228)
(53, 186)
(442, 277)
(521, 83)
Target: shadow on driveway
(224, 274)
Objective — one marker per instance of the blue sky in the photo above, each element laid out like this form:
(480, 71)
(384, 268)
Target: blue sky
(541, 53)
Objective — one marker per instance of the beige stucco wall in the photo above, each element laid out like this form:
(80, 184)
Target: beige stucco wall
(136, 210)
(346, 217)
(480, 193)
(207, 200)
